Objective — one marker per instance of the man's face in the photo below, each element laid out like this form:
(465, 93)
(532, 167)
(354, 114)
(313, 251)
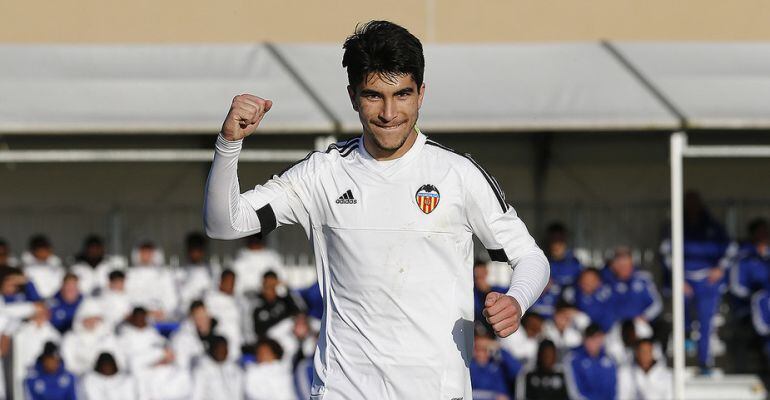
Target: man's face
(42, 253)
(196, 255)
(70, 291)
(94, 251)
(146, 255)
(594, 344)
(644, 355)
(388, 110)
(480, 273)
(589, 282)
(623, 267)
(4, 255)
(227, 284)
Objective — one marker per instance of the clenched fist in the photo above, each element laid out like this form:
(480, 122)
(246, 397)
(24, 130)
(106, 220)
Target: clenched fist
(244, 116)
(503, 312)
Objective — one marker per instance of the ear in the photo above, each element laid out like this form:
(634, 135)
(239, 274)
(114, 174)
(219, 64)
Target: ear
(353, 100)
(421, 95)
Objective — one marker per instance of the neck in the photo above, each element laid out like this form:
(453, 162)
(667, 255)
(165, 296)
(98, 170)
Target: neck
(381, 154)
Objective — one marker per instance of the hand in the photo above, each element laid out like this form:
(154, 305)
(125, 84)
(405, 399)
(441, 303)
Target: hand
(244, 116)
(503, 312)
(687, 290)
(715, 274)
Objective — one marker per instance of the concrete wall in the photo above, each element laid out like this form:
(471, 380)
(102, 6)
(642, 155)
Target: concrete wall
(150, 21)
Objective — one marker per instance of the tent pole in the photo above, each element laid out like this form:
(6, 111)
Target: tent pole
(678, 145)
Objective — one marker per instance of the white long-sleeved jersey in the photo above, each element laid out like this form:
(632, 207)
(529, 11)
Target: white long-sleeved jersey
(394, 255)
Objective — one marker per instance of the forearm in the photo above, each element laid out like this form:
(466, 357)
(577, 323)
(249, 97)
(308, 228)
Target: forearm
(529, 278)
(226, 214)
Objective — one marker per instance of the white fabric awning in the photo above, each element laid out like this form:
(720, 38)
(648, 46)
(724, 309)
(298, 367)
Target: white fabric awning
(504, 87)
(144, 88)
(714, 85)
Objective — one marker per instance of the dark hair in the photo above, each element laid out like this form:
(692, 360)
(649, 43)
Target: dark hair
(479, 263)
(270, 274)
(563, 304)
(226, 272)
(382, 48)
(215, 341)
(3, 243)
(196, 304)
(529, 317)
(69, 276)
(105, 358)
(590, 270)
(38, 241)
(195, 240)
(92, 240)
(116, 274)
(274, 346)
(556, 228)
(544, 345)
(640, 342)
(755, 225)
(147, 244)
(255, 239)
(591, 330)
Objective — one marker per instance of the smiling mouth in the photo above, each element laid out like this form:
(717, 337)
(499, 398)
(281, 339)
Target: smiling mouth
(389, 127)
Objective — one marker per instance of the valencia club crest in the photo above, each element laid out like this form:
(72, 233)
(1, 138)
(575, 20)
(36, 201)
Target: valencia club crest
(427, 198)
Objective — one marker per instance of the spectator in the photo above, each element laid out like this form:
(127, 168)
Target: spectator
(590, 373)
(106, 382)
(270, 378)
(271, 308)
(191, 341)
(314, 303)
(565, 267)
(546, 303)
(223, 305)
(49, 380)
(89, 338)
(6, 260)
(523, 343)
(114, 300)
(151, 361)
(42, 267)
(251, 264)
(481, 288)
(594, 298)
(32, 336)
(92, 266)
(705, 246)
(194, 277)
(648, 378)
(634, 289)
(546, 380)
(302, 361)
(216, 378)
(561, 330)
(493, 370)
(150, 284)
(18, 295)
(65, 303)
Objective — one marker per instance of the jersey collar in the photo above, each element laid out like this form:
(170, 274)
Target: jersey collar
(390, 168)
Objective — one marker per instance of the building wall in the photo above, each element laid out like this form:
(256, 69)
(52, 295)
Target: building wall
(151, 21)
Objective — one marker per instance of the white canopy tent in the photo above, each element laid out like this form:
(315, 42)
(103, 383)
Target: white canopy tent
(504, 88)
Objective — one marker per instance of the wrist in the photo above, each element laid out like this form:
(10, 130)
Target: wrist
(228, 146)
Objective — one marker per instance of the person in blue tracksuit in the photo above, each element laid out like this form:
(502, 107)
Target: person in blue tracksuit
(546, 303)
(481, 288)
(705, 246)
(751, 270)
(591, 296)
(590, 373)
(493, 370)
(565, 267)
(632, 288)
(760, 317)
(48, 380)
(65, 303)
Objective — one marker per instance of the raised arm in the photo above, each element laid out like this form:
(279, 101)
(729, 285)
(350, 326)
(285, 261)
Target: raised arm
(227, 213)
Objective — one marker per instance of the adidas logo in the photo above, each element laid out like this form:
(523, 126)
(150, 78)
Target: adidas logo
(347, 198)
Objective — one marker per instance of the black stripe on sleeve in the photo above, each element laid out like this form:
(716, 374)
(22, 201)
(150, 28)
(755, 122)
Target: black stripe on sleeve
(267, 221)
(490, 180)
(497, 255)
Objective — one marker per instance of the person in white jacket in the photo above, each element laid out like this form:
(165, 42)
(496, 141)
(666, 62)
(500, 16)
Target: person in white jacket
(89, 338)
(151, 284)
(251, 264)
(271, 377)
(561, 330)
(42, 267)
(106, 382)
(31, 337)
(152, 361)
(215, 377)
(114, 301)
(93, 266)
(191, 340)
(523, 343)
(194, 277)
(648, 378)
(225, 307)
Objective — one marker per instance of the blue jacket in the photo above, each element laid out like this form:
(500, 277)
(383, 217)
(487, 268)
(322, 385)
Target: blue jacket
(590, 378)
(760, 312)
(28, 294)
(311, 295)
(638, 295)
(750, 273)
(63, 313)
(545, 305)
(600, 306)
(57, 386)
(565, 271)
(496, 377)
(705, 244)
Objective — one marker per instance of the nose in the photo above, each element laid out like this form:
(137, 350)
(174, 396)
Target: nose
(388, 111)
